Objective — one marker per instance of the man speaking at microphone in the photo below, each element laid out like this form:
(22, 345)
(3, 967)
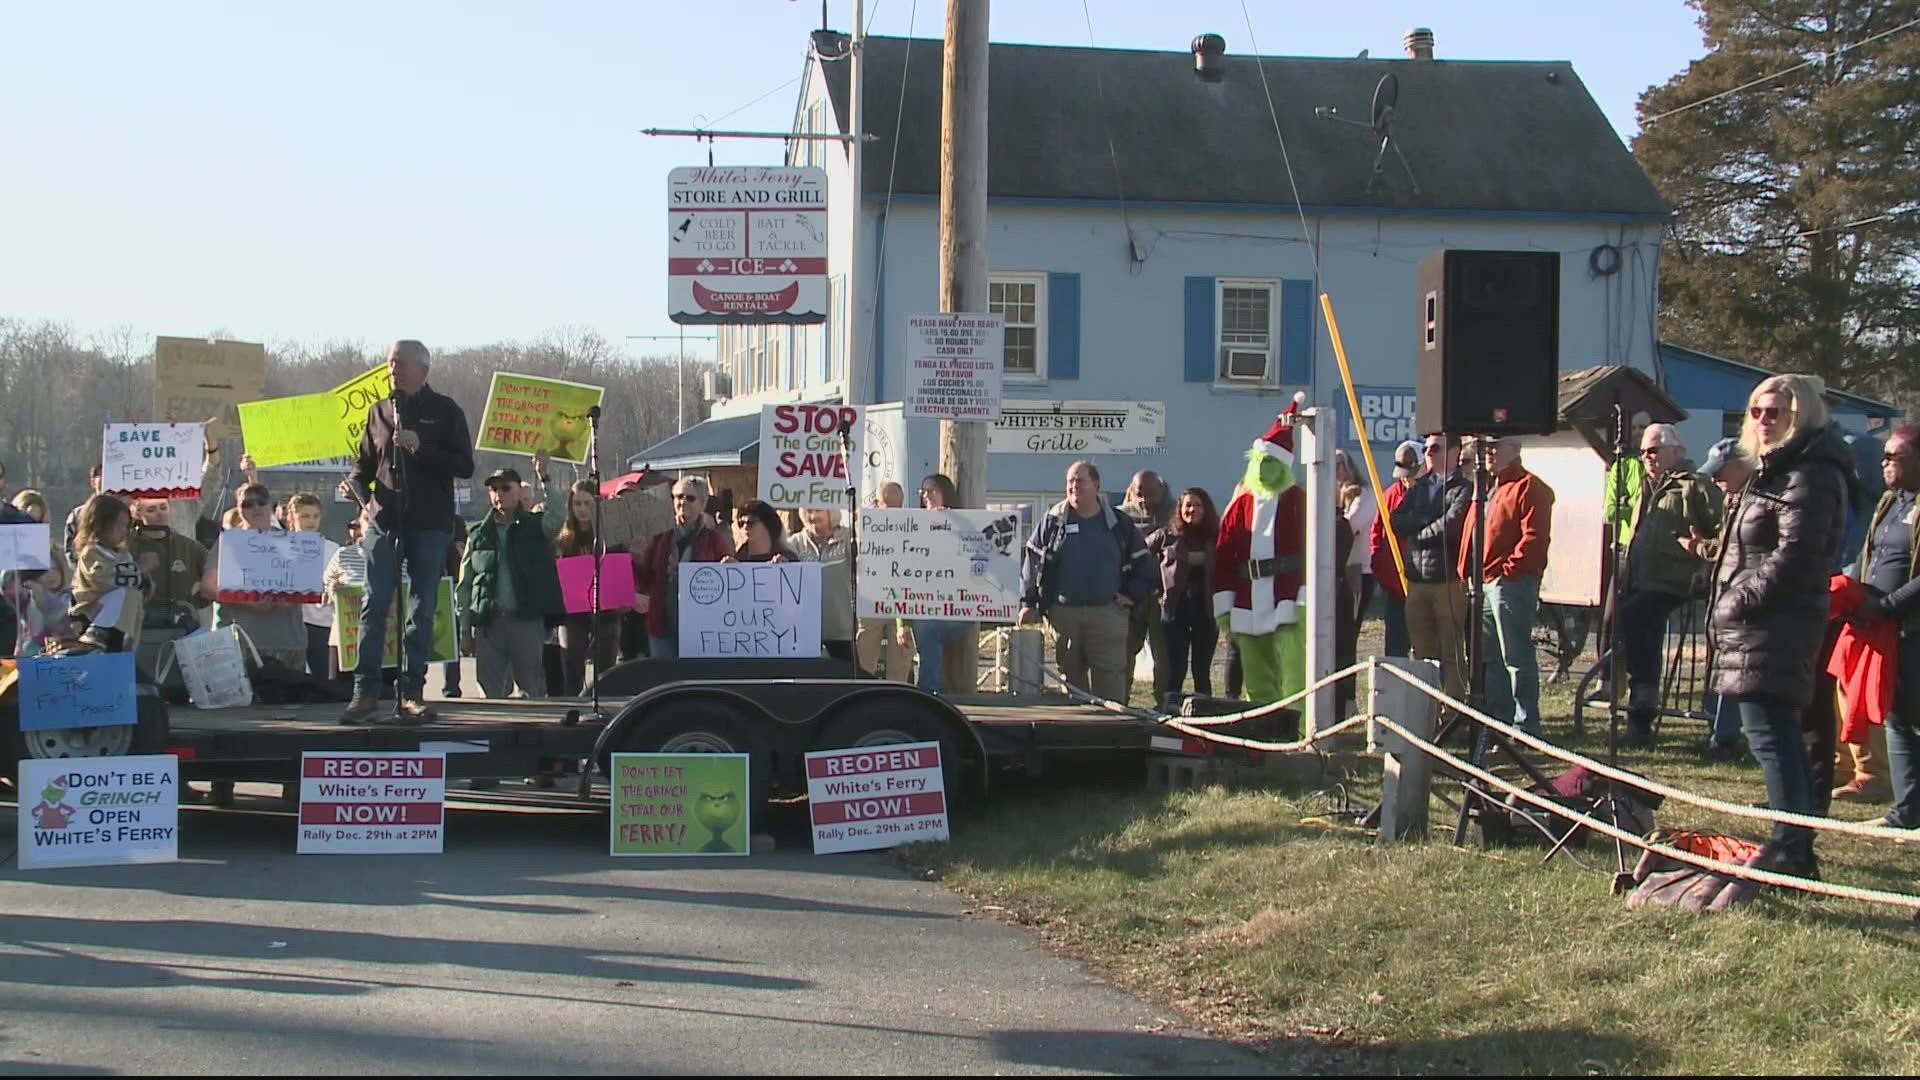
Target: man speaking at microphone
(415, 445)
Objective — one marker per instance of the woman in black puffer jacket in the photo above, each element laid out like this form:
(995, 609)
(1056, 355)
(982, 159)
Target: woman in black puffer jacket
(1768, 616)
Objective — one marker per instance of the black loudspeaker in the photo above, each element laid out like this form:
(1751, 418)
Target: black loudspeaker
(1487, 359)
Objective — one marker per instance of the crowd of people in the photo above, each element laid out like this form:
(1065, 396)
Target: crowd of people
(1811, 598)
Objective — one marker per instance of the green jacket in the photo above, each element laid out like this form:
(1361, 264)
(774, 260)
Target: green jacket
(1665, 515)
(522, 549)
(1629, 473)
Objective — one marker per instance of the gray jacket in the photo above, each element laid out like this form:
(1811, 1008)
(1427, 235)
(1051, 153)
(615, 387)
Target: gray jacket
(835, 556)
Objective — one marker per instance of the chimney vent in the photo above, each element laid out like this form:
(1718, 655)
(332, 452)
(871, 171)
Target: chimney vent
(1208, 50)
(1419, 43)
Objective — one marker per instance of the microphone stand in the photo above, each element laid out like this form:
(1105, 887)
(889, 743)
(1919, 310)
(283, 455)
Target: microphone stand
(853, 538)
(599, 551)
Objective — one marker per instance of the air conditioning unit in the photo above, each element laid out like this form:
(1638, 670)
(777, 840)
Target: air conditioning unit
(715, 385)
(1241, 364)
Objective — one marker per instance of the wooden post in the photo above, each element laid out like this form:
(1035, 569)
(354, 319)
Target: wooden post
(1407, 777)
(963, 264)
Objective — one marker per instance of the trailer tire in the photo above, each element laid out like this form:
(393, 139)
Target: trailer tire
(894, 721)
(704, 726)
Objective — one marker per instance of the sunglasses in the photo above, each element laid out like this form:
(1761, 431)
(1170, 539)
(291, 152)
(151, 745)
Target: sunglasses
(1765, 412)
(1647, 451)
(253, 504)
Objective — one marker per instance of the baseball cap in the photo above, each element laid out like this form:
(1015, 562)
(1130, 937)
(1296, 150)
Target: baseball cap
(1406, 459)
(1717, 457)
(503, 476)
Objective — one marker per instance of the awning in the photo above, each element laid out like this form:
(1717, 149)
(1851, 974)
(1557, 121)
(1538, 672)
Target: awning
(732, 440)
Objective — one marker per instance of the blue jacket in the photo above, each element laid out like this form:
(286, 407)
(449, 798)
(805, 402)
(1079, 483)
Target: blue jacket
(1138, 574)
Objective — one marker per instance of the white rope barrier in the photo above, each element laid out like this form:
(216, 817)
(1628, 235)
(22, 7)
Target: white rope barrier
(1254, 713)
(1187, 725)
(1850, 828)
(1764, 877)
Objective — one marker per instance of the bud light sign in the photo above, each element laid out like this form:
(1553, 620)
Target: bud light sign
(1386, 415)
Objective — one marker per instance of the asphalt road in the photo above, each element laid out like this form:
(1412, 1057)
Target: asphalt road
(526, 949)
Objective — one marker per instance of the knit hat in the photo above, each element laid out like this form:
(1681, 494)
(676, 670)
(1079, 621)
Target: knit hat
(1406, 460)
(1278, 441)
(1722, 452)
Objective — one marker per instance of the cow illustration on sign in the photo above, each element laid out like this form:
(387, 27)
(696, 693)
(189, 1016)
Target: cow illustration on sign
(51, 812)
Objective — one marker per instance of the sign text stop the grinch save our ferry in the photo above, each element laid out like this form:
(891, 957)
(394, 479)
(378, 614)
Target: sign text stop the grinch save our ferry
(803, 463)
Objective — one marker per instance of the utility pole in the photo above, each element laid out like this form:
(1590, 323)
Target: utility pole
(963, 260)
(859, 384)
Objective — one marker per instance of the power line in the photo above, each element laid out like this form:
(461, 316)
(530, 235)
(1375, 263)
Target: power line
(1312, 249)
(1106, 125)
(716, 120)
(1778, 74)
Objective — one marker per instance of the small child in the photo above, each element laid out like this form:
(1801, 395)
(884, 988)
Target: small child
(109, 589)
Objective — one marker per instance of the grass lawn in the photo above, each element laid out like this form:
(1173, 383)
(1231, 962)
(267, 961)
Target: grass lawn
(1241, 909)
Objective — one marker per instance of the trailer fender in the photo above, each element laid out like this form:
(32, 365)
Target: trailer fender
(892, 713)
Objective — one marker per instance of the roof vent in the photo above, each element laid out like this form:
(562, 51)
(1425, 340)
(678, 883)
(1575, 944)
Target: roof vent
(1208, 49)
(1419, 43)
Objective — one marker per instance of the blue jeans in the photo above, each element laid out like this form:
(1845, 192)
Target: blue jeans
(1903, 740)
(426, 557)
(930, 643)
(1513, 668)
(1773, 734)
(1399, 642)
(1726, 720)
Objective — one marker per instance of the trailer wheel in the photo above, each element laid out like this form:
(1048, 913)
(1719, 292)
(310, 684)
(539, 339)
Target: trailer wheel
(892, 722)
(694, 726)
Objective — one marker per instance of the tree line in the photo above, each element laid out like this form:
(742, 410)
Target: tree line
(57, 391)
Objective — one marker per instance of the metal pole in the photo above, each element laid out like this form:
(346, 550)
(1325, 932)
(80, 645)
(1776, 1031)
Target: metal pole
(859, 383)
(963, 260)
(680, 385)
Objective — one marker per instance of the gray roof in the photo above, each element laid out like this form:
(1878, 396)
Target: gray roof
(730, 440)
(1513, 136)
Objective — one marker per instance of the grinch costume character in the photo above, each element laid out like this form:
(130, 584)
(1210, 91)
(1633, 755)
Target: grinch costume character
(1260, 568)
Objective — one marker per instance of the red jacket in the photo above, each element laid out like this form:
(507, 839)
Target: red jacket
(1380, 556)
(1519, 526)
(650, 570)
(1866, 661)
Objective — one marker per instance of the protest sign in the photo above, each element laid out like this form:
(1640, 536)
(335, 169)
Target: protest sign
(616, 582)
(750, 609)
(352, 400)
(26, 547)
(197, 380)
(83, 690)
(267, 564)
(356, 803)
(956, 565)
(153, 461)
(525, 413)
(98, 811)
(347, 602)
(292, 430)
(953, 366)
(876, 797)
(679, 804)
(801, 459)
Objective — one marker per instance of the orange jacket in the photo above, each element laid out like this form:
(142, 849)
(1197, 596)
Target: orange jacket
(1519, 526)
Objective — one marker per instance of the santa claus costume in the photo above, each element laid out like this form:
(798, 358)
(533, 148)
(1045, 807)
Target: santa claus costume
(1260, 566)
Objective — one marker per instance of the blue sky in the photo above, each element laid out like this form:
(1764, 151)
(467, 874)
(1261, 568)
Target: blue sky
(470, 172)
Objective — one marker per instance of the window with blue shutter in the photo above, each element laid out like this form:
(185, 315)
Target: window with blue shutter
(1063, 326)
(1199, 337)
(1296, 332)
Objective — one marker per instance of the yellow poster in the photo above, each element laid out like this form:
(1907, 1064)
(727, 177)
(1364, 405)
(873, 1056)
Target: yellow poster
(526, 413)
(198, 380)
(291, 430)
(353, 399)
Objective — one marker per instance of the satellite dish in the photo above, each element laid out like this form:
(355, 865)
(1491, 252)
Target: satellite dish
(1386, 94)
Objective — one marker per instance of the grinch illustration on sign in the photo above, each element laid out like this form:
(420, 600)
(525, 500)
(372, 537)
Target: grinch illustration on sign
(567, 431)
(718, 810)
(51, 812)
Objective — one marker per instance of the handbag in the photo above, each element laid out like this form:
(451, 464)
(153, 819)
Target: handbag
(213, 666)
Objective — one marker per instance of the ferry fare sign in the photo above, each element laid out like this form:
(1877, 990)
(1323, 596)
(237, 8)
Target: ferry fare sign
(747, 244)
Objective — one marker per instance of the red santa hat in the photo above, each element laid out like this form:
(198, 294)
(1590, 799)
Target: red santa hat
(1278, 441)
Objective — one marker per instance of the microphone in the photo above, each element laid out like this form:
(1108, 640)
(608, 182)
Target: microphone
(846, 427)
(593, 413)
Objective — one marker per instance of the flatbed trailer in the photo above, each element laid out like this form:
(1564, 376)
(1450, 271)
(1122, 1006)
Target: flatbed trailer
(775, 713)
